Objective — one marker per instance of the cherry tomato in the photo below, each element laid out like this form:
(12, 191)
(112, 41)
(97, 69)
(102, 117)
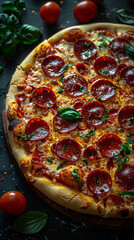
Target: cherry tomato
(98, 1)
(50, 12)
(13, 203)
(85, 11)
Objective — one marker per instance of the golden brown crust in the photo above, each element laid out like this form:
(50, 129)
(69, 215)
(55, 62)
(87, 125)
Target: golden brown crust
(61, 194)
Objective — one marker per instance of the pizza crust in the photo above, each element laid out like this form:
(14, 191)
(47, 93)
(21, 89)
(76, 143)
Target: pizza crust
(62, 195)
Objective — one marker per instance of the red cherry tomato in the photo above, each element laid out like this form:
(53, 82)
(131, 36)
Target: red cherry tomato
(85, 11)
(13, 203)
(50, 12)
(97, 1)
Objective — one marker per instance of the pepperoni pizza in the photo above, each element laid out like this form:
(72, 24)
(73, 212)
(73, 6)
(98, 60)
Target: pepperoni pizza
(70, 118)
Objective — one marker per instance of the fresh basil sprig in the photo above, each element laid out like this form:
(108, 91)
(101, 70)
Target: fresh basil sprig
(69, 114)
(125, 16)
(125, 193)
(129, 49)
(30, 222)
(29, 34)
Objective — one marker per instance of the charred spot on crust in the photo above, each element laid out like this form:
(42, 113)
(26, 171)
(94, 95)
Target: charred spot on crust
(13, 123)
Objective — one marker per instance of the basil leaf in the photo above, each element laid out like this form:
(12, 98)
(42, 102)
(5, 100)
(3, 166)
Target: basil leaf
(85, 160)
(29, 34)
(17, 13)
(3, 23)
(8, 6)
(69, 114)
(60, 90)
(89, 134)
(101, 35)
(125, 193)
(125, 16)
(129, 49)
(74, 173)
(25, 136)
(1, 69)
(30, 222)
(13, 23)
(9, 44)
(20, 4)
(126, 149)
(62, 165)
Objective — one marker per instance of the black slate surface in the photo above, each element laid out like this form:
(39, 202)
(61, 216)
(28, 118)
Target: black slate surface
(58, 226)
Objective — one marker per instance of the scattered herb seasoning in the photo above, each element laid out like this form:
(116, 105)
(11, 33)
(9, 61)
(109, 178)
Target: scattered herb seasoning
(114, 86)
(130, 134)
(60, 90)
(121, 130)
(89, 134)
(74, 173)
(117, 56)
(125, 193)
(90, 45)
(61, 78)
(101, 35)
(89, 100)
(62, 165)
(104, 43)
(99, 99)
(49, 160)
(86, 54)
(65, 68)
(97, 182)
(25, 136)
(104, 72)
(80, 88)
(105, 118)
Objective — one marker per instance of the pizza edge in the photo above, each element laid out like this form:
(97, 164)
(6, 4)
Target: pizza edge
(60, 194)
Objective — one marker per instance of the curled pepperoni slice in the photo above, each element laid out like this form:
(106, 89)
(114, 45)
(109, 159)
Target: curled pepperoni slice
(103, 89)
(75, 85)
(93, 113)
(53, 65)
(68, 149)
(126, 117)
(44, 97)
(81, 68)
(105, 66)
(84, 49)
(109, 144)
(90, 153)
(99, 182)
(38, 127)
(117, 48)
(125, 177)
(127, 75)
(62, 125)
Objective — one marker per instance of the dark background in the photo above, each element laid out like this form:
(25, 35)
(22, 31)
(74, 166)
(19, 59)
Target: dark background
(59, 226)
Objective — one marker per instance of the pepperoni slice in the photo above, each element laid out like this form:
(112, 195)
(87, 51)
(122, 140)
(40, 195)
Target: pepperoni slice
(21, 97)
(116, 199)
(90, 153)
(127, 75)
(117, 48)
(93, 113)
(39, 127)
(121, 66)
(78, 105)
(44, 97)
(99, 182)
(81, 68)
(84, 49)
(109, 144)
(62, 125)
(126, 117)
(128, 36)
(125, 177)
(105, 66)
(53, 66)
(103, 89)
(73, 34)
(68, 149)
(74, 85)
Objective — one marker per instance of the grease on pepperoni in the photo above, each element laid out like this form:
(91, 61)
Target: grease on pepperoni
(74, 84)
(93, 113)
(127, 75)
(126, 117)
(125, 177)
(39, 127)
(44, 97)
(90, 153)
(53, 65)
(103, 89)
(62, 125)
(99, 182)
(81, 68)
(78, 104)
(109, 145)
(84, 49)
(105, 66)
(117, 48)
(68, 149)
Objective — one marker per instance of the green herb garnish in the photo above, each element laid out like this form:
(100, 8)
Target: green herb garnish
(30, 222)
(69, 114)
(86, 54)
(60, 90)
(85, 160)
(89, 134)
(105, 118)
(104, 43)
(49, 160)
(104, 72)
(121, 130)
(74, 173)
(89, 100)
(62, 165)
(97, 182)
(65, 68)
(81, 90)
(101, 35)
(125, 193)
(25, 136)
(61, 78)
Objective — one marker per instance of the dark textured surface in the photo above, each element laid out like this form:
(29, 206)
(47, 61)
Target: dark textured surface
(58, 226)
